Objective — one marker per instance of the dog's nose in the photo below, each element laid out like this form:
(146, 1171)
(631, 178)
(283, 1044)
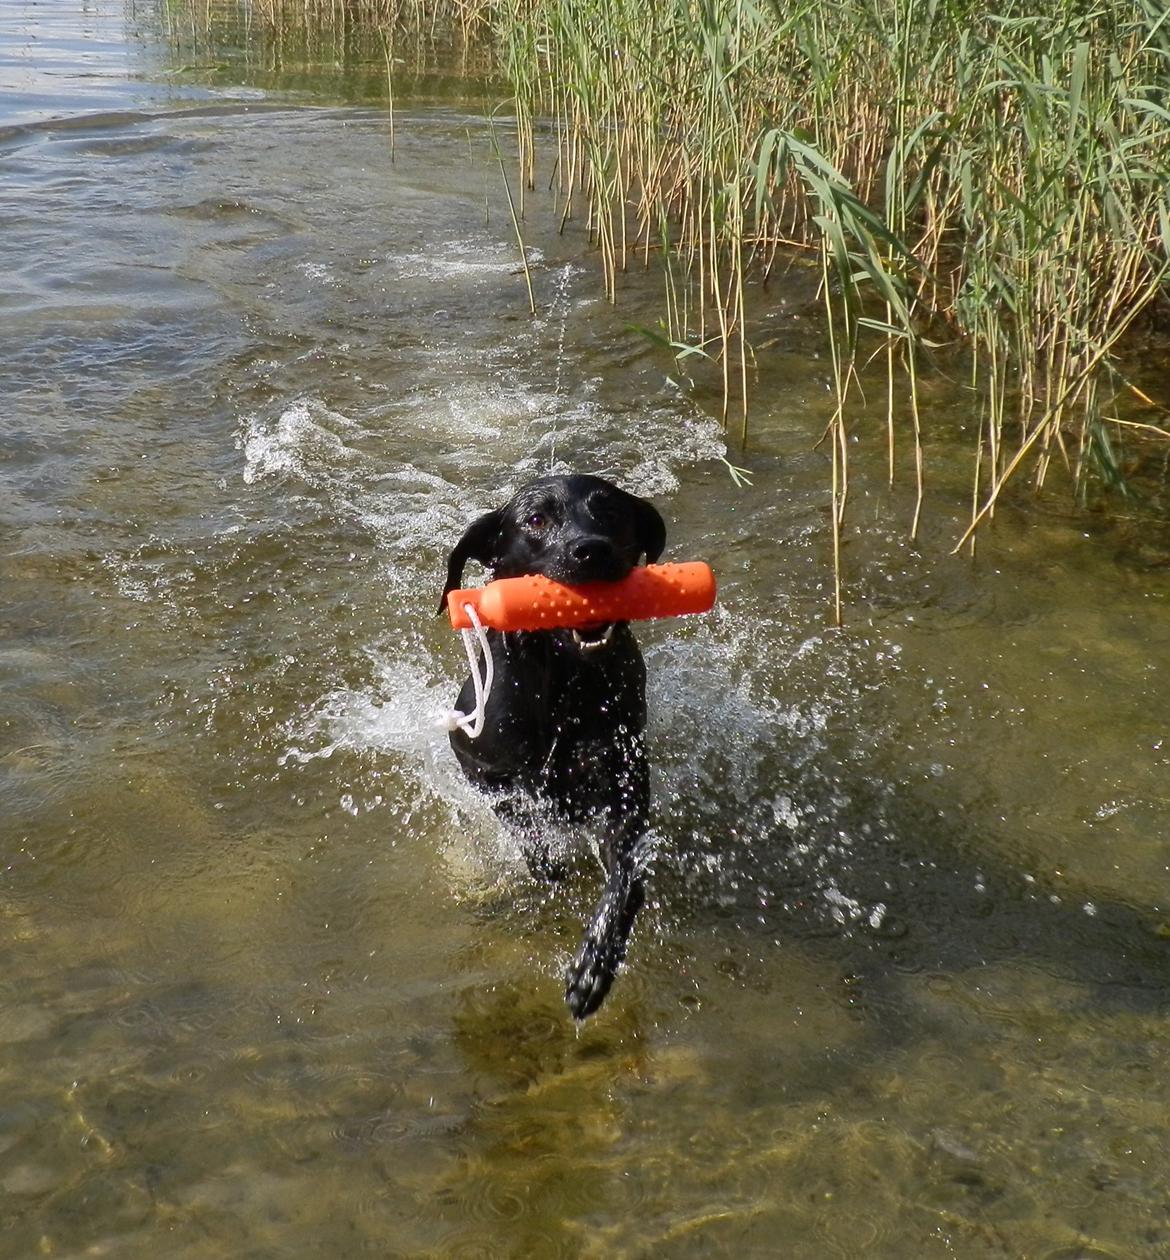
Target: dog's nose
(591, 551)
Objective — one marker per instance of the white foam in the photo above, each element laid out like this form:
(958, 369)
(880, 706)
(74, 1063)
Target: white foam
(317, 271)
(466, 261)
(396, 713)
(307, 442)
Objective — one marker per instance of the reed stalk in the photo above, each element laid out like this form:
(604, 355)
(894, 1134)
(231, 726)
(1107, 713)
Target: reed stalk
(514, 215)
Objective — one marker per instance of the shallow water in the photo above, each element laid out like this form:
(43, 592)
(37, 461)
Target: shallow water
(275, 983)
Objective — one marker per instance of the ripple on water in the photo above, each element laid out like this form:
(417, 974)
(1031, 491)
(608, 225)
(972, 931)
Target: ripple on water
(1084, 1251)
(465, 262)
(735, 1096)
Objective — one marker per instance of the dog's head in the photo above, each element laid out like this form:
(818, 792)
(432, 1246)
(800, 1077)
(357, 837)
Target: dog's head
(571, 529)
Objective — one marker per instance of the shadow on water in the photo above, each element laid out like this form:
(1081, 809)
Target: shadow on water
(855, 874)
(818, 848)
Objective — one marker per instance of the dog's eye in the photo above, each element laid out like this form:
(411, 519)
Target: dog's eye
(536, 521)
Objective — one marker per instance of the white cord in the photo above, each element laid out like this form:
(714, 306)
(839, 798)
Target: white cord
(472, 723)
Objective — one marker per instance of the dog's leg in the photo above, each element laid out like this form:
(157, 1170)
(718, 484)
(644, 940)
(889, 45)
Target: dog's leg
(523, 819)
(592, 972)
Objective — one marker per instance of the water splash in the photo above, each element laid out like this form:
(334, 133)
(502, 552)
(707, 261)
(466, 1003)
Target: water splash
(307, 442)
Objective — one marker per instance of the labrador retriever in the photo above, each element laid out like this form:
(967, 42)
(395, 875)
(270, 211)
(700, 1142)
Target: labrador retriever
(564, 720)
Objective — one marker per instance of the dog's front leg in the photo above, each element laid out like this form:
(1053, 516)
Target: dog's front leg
(592, 971)
(527, 822)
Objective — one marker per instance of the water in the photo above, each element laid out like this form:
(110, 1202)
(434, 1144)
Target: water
(274, 982)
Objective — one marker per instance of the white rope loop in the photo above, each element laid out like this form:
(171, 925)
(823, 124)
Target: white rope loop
(473, 640)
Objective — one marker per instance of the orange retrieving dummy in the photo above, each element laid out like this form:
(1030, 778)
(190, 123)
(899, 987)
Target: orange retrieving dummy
(539, 603)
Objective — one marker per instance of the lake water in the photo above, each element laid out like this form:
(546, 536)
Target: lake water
(274, 982)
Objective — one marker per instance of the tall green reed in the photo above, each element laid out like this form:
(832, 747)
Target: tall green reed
(995, 179)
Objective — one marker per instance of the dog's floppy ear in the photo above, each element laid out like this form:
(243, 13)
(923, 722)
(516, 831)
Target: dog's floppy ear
(649, 527)
(478, 543)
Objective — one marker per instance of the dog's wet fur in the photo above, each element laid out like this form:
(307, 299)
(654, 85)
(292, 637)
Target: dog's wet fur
(567, 709)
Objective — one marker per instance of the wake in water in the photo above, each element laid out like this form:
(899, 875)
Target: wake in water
(741, 797)
(741, 715)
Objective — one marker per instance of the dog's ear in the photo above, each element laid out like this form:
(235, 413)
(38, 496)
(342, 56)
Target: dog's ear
(478, 543)
(650, 529)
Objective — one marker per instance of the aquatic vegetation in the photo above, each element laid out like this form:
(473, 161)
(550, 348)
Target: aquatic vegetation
(997, 180)
(994, 183)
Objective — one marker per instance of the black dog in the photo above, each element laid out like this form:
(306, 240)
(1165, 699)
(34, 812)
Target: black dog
(565, 716)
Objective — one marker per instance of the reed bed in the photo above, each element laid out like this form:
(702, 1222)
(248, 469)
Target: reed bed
(403, 39)
(994, 179)
(997, 181)
(436, 18)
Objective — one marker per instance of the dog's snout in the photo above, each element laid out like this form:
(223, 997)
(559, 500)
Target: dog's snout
(595, 550)
(594, 558)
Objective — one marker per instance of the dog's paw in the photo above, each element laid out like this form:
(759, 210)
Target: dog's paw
(592, 972)
(590, 976)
